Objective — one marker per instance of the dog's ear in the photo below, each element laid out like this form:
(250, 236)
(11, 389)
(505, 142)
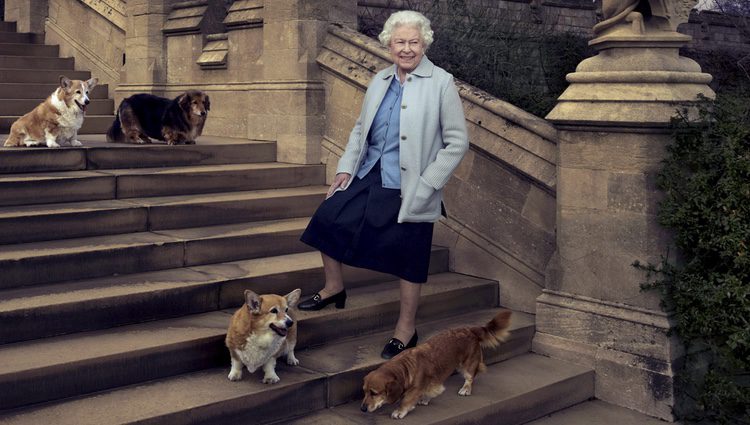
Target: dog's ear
(253, 301)
(92, 82)
(293, 297)
(184, 101)
(65, 82)
(207, 103)
(393, 390)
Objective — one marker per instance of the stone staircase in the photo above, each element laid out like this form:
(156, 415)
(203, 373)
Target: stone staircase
(120, 266)
(30, 71)
(119, 278)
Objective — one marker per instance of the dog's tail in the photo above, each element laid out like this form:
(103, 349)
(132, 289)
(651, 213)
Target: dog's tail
(495, 331)
(115, 134)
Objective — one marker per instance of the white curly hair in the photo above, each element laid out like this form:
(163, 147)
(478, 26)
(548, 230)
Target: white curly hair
(409, 18)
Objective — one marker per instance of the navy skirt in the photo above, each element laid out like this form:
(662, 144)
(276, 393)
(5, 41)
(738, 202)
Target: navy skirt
(358, 227)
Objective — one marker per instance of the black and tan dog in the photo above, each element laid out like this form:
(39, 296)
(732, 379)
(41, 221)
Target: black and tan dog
(144, 116)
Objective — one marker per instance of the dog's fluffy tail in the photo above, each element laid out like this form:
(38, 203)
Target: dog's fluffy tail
(495, 331)
(115, 134)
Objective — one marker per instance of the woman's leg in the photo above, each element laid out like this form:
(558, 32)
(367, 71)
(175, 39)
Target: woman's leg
(406, 324)
(334, 278)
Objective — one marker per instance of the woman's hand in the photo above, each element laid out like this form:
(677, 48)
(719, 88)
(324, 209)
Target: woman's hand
(338, 181)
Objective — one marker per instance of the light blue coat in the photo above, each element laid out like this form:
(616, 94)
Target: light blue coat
(433, 137)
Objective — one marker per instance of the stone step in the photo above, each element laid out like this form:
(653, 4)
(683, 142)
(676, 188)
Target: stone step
(26, 49)
(32, 62)
(20, 37)
(18, 107)
(512, 392)
(39, 92)
(7, 26)
(174, 212)
(100, 303)
(214, 178)
(71, 186)
(24, 76)
(596, 412)
(78, 364)
(516, 390)
(98, 154)
(69, 259)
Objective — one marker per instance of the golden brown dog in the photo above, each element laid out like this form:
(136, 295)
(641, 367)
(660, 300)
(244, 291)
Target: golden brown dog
(179, 120)
(55, 121)
(417, 375)
(261, 331)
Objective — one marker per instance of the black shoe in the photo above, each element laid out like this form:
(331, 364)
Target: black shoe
(316, 303)
(395, 346)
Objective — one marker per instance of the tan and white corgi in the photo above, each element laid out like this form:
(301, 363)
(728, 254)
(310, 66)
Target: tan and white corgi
(262, 330)
(55, 121)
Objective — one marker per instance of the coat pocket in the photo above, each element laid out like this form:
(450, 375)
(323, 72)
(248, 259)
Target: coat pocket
(426, 199)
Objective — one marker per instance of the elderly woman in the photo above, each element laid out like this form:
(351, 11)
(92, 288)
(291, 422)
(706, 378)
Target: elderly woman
(379, 211)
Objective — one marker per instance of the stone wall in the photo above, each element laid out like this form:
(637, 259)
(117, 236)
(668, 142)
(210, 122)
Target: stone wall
(91, 32)
(710, 30)
(501, 199)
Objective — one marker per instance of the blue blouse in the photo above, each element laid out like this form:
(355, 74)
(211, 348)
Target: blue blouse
(383, 141)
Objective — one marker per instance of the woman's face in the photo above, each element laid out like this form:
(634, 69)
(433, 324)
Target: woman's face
(406, 47)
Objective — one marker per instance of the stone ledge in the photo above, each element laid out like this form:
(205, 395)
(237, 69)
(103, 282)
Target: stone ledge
(215, 52)
(244, 14)
(185, 18)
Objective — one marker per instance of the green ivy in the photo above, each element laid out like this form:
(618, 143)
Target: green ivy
(706, 181)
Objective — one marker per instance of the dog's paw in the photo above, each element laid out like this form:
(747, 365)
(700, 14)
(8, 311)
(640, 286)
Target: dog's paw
(398, 414)
(76, 143)
(271, 378)
(52, 144)
(291, 360)
(464, 391)
(423, 401)
(235, 375)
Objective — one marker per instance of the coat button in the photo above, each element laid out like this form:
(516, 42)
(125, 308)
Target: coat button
(408, 79)
(403, 137)
(403, 169)
(403, 106)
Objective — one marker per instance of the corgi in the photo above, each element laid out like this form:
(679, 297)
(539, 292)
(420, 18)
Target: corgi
(261, 331)
(55, 121)
(417, 375)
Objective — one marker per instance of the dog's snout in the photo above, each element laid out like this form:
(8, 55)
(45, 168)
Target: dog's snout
(289, 322)
(87, 101)
(363, 407)
(203, 113)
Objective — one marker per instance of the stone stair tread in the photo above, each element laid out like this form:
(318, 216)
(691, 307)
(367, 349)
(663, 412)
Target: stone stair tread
(77, 245)
(597, 412)
(507, 392)
(62, 208)
(36, 355)
(228, 196)
(101, 289)
(100, 140)
(55, 175)
(196, 169)
(156, 400)
(239, 229)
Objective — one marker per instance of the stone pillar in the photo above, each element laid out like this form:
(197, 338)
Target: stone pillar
(29, 15)
(613, 121)
(292, 87)
(145, 67)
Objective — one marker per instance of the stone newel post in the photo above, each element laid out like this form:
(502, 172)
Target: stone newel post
(613, 122)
